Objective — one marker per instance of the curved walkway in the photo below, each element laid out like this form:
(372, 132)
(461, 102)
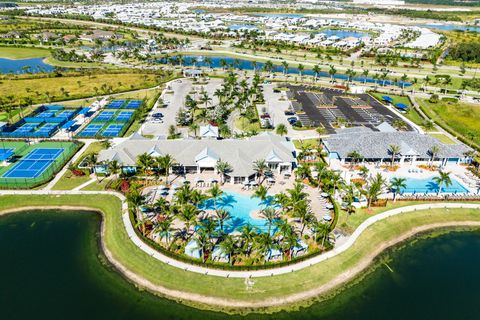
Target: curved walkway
(254, 273)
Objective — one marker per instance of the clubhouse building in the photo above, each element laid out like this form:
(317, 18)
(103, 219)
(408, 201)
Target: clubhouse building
(374, 146)
(198, 156)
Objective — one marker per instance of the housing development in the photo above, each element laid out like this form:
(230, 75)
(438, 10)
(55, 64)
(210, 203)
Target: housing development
(246, 156)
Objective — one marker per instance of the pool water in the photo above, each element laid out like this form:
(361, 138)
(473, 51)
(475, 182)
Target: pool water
(240, 206)
(430, 186)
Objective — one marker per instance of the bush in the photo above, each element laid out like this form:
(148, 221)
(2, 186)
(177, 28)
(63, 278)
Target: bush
(434, 98)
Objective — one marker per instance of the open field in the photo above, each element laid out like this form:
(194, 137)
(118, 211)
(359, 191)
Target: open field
(74, 87)
(462, 118)
(442, 137)
(233, 289)
(69, 181)
(23, 53)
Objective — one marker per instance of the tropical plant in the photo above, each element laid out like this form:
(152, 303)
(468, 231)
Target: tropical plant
(397, 184)
(443, 179)
(223, 168)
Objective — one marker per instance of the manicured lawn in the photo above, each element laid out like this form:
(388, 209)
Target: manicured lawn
(411, 114)
(94, 147)
(245, 125)
(123, 250)
(462, 118)
(443, 138)
(96, 186)
(23, 53)
(311, 143)
(68, 181)
(50, 89)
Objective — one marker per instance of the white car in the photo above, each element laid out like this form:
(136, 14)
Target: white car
(157, 120)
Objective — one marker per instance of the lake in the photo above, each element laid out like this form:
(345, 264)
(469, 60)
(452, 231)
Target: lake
(450, 27)
(245, 64)
(34, 65)
(342, 34)
(52, 269)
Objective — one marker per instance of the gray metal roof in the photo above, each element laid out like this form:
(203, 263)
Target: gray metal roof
(376, 145)
(240, 154)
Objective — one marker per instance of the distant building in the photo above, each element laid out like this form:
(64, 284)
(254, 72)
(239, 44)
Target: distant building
(381, 2)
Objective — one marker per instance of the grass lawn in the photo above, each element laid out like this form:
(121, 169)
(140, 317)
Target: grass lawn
(23, 53)
(75, 87)
(68, 181)
(96, 186)
(123, 250)
(94, 147)
(311, 143)
(411, 114)
(442, 138)
(244, 124)
(462, 118)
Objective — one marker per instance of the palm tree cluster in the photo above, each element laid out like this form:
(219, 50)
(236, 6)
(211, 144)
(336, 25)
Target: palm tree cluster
(200, 217)
(233, 95)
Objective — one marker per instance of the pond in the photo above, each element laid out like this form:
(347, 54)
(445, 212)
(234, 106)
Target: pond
(342, 34)
(52, 269)
(450, 27)
(244, 64)
(34, 65)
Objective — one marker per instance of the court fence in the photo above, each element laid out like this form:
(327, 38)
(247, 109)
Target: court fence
(69, 149)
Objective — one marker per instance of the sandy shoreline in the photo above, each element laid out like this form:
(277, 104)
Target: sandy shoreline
(341, 279)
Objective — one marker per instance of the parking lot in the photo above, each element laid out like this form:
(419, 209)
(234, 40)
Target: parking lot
(326, 107)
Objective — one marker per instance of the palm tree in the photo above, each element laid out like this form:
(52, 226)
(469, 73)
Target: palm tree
(229, 247)
(397, 184)
(135, 200)
(443, 178)
(332, 72)
(222, 215)
(263, 244)
(316, 69)
(301, 67)
(188, 214)
(166, 162)
(394, 149)
(113, 167)
(223, 168)
(302, 211)
(434, 151)
(194, 127)
(269, 214)
(203, 243)
(374, 188)
(261, 193)
(215, 192)
(355, 157)
(285, 67)
(164, 230)
(144, 162)
(248, 234)
(261, 168)
(322, 230)
(281, 129)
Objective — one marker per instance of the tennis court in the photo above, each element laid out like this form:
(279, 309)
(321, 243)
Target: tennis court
(116, 104)
(124, 116)
(91, 130)
(27, 127)
(134, 104)
(112, 130)
(6, 153)
(34, 163)
(104, 116)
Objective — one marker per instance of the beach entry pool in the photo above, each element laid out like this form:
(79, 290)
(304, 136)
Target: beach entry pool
(240, 208)
(421, 186)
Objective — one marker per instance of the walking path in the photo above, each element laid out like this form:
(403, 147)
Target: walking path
(254, 273)
(83, 185)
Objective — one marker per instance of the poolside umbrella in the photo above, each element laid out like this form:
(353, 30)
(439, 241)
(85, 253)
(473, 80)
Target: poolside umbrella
(327, 217)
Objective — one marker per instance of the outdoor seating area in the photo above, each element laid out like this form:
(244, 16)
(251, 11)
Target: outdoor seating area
(44, 122)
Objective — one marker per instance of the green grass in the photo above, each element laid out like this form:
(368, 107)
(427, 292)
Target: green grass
(462, 118)
(244, 124)
(68, 181)
(96, 186)
(75, 87)
(442, 138)
(94, 147)
(411, 114)
(123, 250)
(310, 143)
(23, 53)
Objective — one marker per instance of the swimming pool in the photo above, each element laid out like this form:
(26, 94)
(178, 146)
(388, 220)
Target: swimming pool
(430, 186)
(240, 206)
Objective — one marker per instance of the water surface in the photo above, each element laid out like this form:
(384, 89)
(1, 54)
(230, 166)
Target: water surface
(35, 65)
(51, 268)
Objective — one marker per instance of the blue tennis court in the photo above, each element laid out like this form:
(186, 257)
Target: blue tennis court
(47, 129)
(116, 104)
(124, 116)
(112, 130)
(91, 130)
(65, 114)
(6, 153)
(45, 114)
(34, 163)
(134, 104)
(27, 127)
(105, 116)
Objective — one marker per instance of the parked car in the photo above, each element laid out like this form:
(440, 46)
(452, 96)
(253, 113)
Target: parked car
(157, 115)
(157, 120)
(289, 113)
